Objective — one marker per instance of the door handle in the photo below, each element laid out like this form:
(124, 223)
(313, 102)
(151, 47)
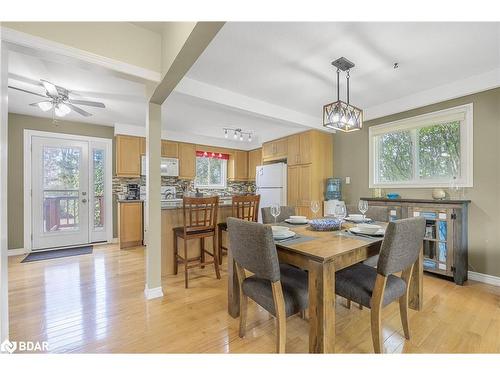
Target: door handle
(84, 200)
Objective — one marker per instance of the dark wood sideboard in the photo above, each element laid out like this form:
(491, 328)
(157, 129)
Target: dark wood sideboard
(445, 242)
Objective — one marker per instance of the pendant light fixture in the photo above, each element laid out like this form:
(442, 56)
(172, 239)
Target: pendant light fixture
(342, 115)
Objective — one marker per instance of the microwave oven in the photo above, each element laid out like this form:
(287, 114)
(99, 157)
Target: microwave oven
(169, 166)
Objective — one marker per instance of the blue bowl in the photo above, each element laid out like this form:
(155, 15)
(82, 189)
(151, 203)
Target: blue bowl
(326, 224)
(393, 196)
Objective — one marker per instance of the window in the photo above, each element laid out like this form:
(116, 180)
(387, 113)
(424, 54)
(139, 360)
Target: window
(211, 170)
(424, 151)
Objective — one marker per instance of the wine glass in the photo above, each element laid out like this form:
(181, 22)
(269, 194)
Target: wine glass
(363, 207)
(315, 207)
(275, 211)
(340, 212)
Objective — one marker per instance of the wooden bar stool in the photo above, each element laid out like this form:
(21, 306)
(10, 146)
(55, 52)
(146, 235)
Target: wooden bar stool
(245, 207)
(200, 218)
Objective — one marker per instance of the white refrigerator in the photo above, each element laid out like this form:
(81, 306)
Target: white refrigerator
(271, 184)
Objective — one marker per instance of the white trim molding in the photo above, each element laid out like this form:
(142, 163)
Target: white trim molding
(484, 278)
(50, 47)
(15, 252)
(152, 293)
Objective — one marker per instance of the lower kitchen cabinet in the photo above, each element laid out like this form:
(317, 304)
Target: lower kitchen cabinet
(130, 223)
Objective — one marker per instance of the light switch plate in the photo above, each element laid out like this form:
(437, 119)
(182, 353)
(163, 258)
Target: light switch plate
(348, 180)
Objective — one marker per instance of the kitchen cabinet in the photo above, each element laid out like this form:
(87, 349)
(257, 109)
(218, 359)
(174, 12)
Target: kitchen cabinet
(169, 149)
(254, 160)
(275, 150)
(299, 148)
(300, 191)
(238, 166)
(187, 160)
(128, 156)
(130, 224)
(143, 146)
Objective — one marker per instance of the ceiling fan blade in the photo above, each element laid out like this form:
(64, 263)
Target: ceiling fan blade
(78, 110)
(50, 87)
(29, 92)
(87, 102)
(43, 101)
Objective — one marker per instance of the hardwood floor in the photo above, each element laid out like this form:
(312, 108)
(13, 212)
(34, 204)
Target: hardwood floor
(95, 303)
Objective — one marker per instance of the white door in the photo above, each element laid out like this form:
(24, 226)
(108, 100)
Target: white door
(70, 192)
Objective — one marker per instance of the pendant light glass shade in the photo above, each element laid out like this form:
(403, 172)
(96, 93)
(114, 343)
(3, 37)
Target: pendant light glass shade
(342, 116)
(62, 110)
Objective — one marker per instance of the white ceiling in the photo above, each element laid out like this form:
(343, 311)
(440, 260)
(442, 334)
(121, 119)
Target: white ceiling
(273, 78)
(124, 100)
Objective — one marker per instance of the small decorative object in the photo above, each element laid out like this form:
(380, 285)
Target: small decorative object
(378, 193)
(333, 189)
(198, 194)
(325, 224)
(438, 194)
(393, 196)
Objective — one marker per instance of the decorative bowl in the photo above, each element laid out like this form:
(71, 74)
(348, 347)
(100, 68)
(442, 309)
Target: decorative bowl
(393, 196)
(325, 224)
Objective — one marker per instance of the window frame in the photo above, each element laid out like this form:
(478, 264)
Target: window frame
(212, 186)
(466, 115)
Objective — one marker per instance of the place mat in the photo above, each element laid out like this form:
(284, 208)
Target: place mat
(294, 241)
(363, 237)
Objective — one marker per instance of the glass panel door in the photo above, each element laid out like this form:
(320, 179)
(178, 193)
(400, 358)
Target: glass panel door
(59, 192)
(98, 214)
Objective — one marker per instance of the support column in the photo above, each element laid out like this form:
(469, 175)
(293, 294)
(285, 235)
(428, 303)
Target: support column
(4, 291)
(153, 199)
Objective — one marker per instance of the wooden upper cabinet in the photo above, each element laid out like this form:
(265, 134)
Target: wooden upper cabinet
(143, 146)
(128, 156)
(187, 161)
(293, 185)
(293, 157)
(169, 149)
(254, 160)
(299, 148)
(238, 166)
(275, 150)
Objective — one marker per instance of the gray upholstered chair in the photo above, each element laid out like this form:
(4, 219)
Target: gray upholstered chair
(377, 287)
(285, 213)
(377, 213)
(280, 289)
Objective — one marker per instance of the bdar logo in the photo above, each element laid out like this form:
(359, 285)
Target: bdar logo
(8, 347)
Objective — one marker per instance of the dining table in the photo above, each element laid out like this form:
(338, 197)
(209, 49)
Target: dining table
(322, 253)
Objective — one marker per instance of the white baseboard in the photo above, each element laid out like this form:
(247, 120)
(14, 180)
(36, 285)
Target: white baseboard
(484, 278)
(114, 240)
(152, 293)
(14, 252)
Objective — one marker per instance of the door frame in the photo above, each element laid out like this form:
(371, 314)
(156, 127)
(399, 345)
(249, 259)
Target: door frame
(27, 185)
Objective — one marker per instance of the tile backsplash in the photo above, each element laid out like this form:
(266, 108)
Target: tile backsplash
(233, 187)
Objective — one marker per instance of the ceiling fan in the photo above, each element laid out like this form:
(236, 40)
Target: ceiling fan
(57, 98)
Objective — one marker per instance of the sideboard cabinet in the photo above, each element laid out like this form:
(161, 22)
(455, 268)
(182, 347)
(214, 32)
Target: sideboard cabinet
(445, 242)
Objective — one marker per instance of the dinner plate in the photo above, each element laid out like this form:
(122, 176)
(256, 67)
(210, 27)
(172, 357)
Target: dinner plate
(356, 230)
(295, 221)
(283, 235)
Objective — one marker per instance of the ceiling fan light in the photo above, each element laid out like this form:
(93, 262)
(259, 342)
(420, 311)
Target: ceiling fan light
(45, 106)
(62, 110)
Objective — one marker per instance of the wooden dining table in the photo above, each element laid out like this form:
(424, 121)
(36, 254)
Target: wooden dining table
(322, 256)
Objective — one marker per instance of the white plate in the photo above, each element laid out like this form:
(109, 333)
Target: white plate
(283, 235)
(297, 221)
(279, 229)
(357, 220)
(357, 230)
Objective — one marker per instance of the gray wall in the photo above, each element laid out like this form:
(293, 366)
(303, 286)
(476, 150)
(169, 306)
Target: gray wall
(17, 124)
(351, 159)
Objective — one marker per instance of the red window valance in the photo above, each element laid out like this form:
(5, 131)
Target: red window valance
(210, 154)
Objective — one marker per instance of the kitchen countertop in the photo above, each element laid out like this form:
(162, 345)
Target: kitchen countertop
(129, 200)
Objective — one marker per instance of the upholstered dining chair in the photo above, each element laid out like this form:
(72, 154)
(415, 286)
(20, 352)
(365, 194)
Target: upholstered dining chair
(285, 213)
(377, 287)
(245, 207)
(279, 288)
(377, 213)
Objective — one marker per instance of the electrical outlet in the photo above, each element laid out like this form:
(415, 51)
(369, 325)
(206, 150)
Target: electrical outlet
(348, 180)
